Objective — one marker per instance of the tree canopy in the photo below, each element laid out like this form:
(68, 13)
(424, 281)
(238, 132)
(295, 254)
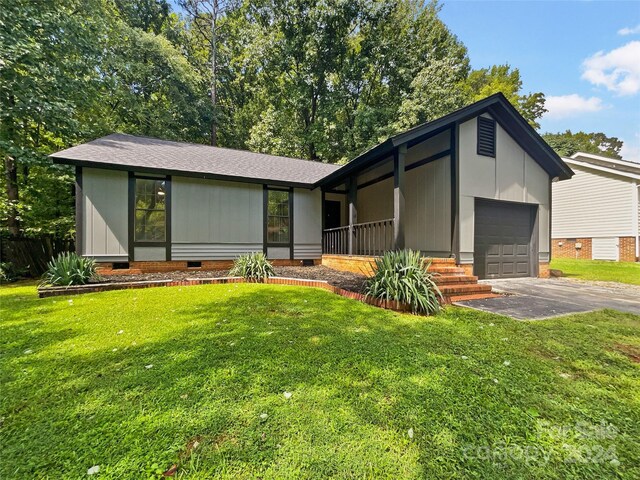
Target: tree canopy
(568, 143)
(322, 80)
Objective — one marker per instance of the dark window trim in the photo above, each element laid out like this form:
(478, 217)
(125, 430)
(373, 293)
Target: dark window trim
(486, 121)
(265, 219)
(132, 215)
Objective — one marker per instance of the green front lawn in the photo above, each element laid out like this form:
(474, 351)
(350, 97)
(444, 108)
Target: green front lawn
(136, 381)
(624, 272)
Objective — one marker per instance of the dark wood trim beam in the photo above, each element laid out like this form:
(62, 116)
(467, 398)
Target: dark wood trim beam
(265, 217)
(399, 175)
(353, 211)
(455, 187)
(291, 225)
(79, 212)
(408, 168)
(167, 215)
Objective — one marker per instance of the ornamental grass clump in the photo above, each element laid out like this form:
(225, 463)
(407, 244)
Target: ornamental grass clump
(69, 269)
(402, 276)
(253, 267)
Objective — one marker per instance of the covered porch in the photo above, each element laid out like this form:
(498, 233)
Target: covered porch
(401, 194)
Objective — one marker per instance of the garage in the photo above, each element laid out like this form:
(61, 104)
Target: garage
(504, 243)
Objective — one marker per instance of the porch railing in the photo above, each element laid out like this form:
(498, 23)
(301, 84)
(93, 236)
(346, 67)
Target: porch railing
(370, 238)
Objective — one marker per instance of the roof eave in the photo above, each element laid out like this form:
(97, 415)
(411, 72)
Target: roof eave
(554, 165)
(180, 173)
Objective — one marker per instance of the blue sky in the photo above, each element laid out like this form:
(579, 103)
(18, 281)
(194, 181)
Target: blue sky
(584, 56)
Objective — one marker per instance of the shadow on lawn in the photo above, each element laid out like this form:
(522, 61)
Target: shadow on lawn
(352, 369)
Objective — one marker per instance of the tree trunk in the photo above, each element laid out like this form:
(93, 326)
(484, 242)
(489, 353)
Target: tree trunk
(214, 15)
(11, 178)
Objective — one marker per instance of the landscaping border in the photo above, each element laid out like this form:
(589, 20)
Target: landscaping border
(44, 292)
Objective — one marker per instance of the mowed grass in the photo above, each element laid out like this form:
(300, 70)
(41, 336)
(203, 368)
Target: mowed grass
(624, 272)
(77, 393)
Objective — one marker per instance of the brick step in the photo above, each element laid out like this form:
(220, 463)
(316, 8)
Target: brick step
(448, 270)
(474, 296)
(464, 289)
(454, 279)
(441, 261)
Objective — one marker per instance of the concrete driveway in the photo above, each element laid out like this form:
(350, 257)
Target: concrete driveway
(537, 298)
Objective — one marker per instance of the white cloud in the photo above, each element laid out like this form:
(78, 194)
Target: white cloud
(563, 106)
(618, 70)
(631, 149)
(629, 31)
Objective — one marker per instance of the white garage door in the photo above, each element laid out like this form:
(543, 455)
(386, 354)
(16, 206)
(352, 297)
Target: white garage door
(605, 248)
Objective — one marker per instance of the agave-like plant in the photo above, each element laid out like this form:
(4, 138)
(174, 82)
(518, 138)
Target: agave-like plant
(403, 276)
(69, 269)
(253, 267)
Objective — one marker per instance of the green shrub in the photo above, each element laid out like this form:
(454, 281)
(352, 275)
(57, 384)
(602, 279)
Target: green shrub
(9, 273)
(402, 276)
(69, 269)
(253, 267)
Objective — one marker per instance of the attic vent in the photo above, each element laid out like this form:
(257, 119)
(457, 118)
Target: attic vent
(486, 137)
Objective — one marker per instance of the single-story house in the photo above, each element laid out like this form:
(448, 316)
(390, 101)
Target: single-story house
(474, 185)
(596, 215)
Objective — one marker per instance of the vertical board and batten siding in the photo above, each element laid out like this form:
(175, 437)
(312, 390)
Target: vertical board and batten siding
(428, 208)
(593, 204)
(105, 215)
(427, 197)
(511, 176)
(307, 224)
(215, 220)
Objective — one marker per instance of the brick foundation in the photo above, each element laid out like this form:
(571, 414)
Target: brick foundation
(568, 248)
(543, 270)
(467, 267)
(350, 263)
(628, 249)
(173, 266)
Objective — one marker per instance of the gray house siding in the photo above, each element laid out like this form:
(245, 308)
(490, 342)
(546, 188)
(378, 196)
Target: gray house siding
(215, 220)
(210, 220)
(427, 196)
(511, 176)
(307, 224)
(104, 214)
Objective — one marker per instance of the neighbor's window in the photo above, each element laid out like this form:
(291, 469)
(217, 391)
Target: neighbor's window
(278, 219)
(150, 213)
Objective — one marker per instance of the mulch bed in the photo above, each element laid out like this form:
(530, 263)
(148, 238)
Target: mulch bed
(349, 281)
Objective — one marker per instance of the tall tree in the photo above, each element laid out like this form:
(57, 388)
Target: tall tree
(334, 75)
(205, 16)
(502, 78)
(48, 51)
(598, 143)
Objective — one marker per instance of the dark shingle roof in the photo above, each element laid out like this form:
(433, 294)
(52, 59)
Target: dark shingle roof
(148, 155)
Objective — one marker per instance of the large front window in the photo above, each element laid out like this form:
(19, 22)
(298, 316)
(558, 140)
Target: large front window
(150, 212)
(278, 217)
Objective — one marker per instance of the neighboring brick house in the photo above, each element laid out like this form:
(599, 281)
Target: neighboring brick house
(596, 215)
(472, 187)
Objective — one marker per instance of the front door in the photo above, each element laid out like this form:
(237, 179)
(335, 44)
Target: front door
(331, 214)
